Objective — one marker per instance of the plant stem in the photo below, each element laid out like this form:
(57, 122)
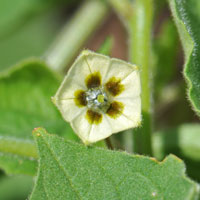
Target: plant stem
(109, 144)
(75, 33)
(140, 27)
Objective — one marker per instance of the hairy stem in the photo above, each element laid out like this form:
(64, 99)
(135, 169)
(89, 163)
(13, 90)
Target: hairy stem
(140, 27)
(74, 34)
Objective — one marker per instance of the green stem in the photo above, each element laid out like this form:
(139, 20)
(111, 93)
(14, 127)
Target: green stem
(140, 27)
(75, 33)
(18, 147)
(109, 143)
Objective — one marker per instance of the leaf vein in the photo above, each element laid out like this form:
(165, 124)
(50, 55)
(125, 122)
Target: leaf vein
(62, 169)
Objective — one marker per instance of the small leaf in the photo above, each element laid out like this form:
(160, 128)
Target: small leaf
(187, 18)
(73, 171)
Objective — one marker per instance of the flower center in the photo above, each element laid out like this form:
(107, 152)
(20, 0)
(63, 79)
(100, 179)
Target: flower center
(97, 99)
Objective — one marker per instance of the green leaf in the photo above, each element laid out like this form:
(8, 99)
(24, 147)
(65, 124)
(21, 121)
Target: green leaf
(26, 92)
(27, 28)
(73, 171)
(31, 39)
(15, 187)
(187, 18)
(18, 156)
(16, 13)
(182, 141)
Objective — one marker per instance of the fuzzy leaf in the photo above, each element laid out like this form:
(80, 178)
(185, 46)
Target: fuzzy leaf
(187, 17)
(73, 171)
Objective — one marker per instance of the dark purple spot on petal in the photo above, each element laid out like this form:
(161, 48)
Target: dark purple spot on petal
(114, 86)
(93, 80)
(94, 117)
(80, 98)
(115, 110)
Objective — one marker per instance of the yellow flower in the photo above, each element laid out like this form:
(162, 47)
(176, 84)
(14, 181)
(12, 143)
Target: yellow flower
(100, 96)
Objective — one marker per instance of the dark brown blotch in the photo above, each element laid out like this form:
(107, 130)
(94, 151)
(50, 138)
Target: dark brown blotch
(94, 117)
(80, 98)
(114, 86)
(115, 110)
(93, 80)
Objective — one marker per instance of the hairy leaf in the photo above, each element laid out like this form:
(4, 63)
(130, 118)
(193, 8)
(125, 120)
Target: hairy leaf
(187, 17)
(72, 171)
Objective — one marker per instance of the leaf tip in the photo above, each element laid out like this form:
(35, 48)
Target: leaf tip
(38, 131)
(154, 159)
(174, 157)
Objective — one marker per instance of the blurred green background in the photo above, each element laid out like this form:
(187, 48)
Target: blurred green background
(29, 28)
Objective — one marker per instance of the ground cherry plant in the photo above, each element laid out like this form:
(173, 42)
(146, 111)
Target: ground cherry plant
(100, 99)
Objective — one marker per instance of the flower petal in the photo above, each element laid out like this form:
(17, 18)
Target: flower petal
(131, 85)
(120, 69)
(132, 109)
(75, 79)
(90, 133)
(97, 63)
(120, 124)
(122, 84)
(100, 131)
(130, 117)
(68, 108)
(81, 126)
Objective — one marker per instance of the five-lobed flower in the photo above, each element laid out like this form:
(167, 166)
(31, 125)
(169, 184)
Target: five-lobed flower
(100, 96)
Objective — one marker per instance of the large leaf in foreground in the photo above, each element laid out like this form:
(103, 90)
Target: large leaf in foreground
(73, 171)
(187, 17)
